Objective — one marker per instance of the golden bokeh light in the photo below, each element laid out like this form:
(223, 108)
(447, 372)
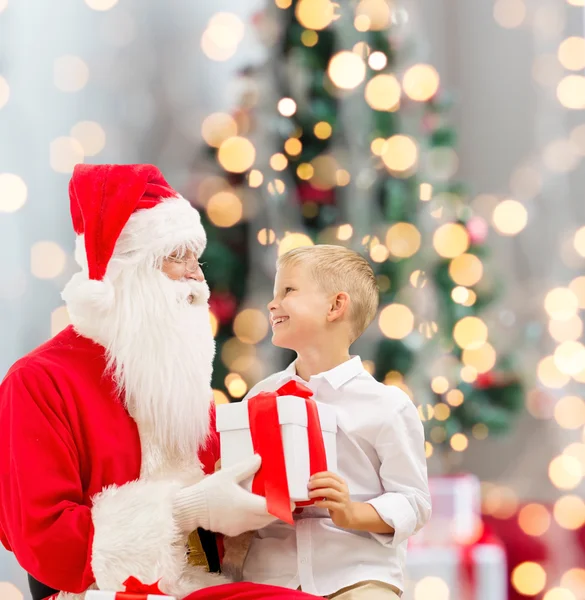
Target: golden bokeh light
(218, 127)
(214, 324)
(224, 209)
(235, 385)
(284, 4)
(569, 512)
(561, 304)
(396, 321)
(569, 357)
(13, 192)
(577, 286)
(565, 472)
(379, 253)
(278, 161)
(59, 320)
(324, 172)
(574, 579)
(322, 130)
(459, 442)
(576, 450)
(377, 13)
(236, 154)
(220, 398)
(293, 240)
(361, 49)
(305, 171)
(451, 240)
(377, 146)
(266, 236)
(455, 397)
(468, 374)
(276, 187)
(287, 107)
(255, 178)
(470, 333)
(70, 73)
(439, 384)
(221, 37)
(549, 374)
(528, 578)
(344, 232)
(466, 269)
(403, 240)
(8, 591)
(501, 502)
(377, 60)
(431, 588)
(383, 92)
(362, 23)
(4, 92)
(438, 434)
(579, 241)
(569, 412)
(90, 135)
(510, 217)
(442, 412)
(558, 593)
(342, 177)
(309, 38)
(428, 449)
(251, 326)
(346, 69)
(47, 260)
(571, 92)
(293, 146)
(571, 53)
(64, 154)
(418, 279)
(460, 294)
(101, 5)
(480, 431)
(400, 155)
(534, 519)
(509, 13)
(3, 5)
(315, 14)
(421, 82)
(561, 156)
(563, 331)
(482, 359)
(426, 192)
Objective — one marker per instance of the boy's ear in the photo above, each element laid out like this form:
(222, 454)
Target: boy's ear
(339, 306)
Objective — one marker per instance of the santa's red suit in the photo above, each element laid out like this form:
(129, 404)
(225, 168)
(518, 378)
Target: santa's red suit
(107, 431)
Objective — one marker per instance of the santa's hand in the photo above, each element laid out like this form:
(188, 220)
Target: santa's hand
(220, 504)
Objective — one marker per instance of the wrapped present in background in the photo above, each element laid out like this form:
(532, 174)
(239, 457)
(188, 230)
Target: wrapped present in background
(135, 590)
(294, 435)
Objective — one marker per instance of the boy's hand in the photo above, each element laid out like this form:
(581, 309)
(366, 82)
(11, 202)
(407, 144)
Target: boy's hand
(335, 497)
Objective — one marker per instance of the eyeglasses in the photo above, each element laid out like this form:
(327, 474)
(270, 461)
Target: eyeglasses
(191, 264)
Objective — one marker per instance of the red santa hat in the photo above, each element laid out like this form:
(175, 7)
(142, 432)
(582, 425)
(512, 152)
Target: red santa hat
(121, 211)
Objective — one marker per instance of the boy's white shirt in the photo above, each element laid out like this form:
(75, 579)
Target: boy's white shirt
(381, 456)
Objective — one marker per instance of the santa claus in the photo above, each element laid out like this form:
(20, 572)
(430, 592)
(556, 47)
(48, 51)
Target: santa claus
(108, 448)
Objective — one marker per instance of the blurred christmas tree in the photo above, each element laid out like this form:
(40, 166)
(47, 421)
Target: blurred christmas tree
(367, 154)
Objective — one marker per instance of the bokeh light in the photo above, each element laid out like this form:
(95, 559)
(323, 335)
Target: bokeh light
(529, 578)
(235, 385)
(224, 209)
(251, 326)
(569, 357)
(466, 269)
(421, 82)
(459, 442)
(218, 127)
(534, 519)
(569, 512)
(571, 92)
(346, 69)
(431, 588)
(220, 398)
(101, 5)
(563, 331)
(221, 37)
(4, 92)
(451, 240)
(293, 146)
(255, 178)
(571, 53)
(396, 321)
(549, 375)
(509, 13)
(287, 107)
(377, 60)
(322, 130)
(90, 135)
(561, 304)
(383, 92)
(47, 260)
(13, 192)
(70, 73)
(236, 154)
(315, 14)
(510, 217)
(470, 333)
(64, 154)
(278, 162)
(8, 591)
(403, 240)
(266, 236)
(558, 593)
(561, 156)
(293, 240)
(400, 155)
(324, 176)
(482, 359)
(377, 14)
(565, 472)
(569, 412)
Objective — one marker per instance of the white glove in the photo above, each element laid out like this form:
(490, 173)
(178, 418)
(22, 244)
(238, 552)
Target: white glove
(219, 504)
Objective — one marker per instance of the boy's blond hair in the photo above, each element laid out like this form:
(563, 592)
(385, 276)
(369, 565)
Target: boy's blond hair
(338, 269)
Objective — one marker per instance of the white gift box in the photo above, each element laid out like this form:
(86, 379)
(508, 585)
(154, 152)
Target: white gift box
(100, 595)
(233, 426)
(456, 513)
(432, 570)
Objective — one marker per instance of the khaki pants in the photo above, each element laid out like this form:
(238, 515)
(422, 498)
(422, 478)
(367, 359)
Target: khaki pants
(367, 590)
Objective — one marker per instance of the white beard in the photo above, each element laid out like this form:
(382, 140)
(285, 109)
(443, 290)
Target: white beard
(160, 350)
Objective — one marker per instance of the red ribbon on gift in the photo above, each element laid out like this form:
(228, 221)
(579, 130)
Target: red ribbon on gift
(136, 590)
(271, 481)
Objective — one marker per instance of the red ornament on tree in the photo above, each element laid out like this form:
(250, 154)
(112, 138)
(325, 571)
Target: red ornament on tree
(307, 193)
(485, 380)
(223, 306)
(477, 229)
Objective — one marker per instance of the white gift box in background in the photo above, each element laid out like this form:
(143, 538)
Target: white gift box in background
(437, 573)
(456, 514)
(233, 426)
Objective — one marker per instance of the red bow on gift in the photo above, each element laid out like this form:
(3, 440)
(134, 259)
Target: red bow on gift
(136, 590)
(271, 480)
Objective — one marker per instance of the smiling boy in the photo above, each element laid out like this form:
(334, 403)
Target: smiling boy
(351, 545)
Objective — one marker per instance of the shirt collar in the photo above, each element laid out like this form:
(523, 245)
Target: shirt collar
(336, 377)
